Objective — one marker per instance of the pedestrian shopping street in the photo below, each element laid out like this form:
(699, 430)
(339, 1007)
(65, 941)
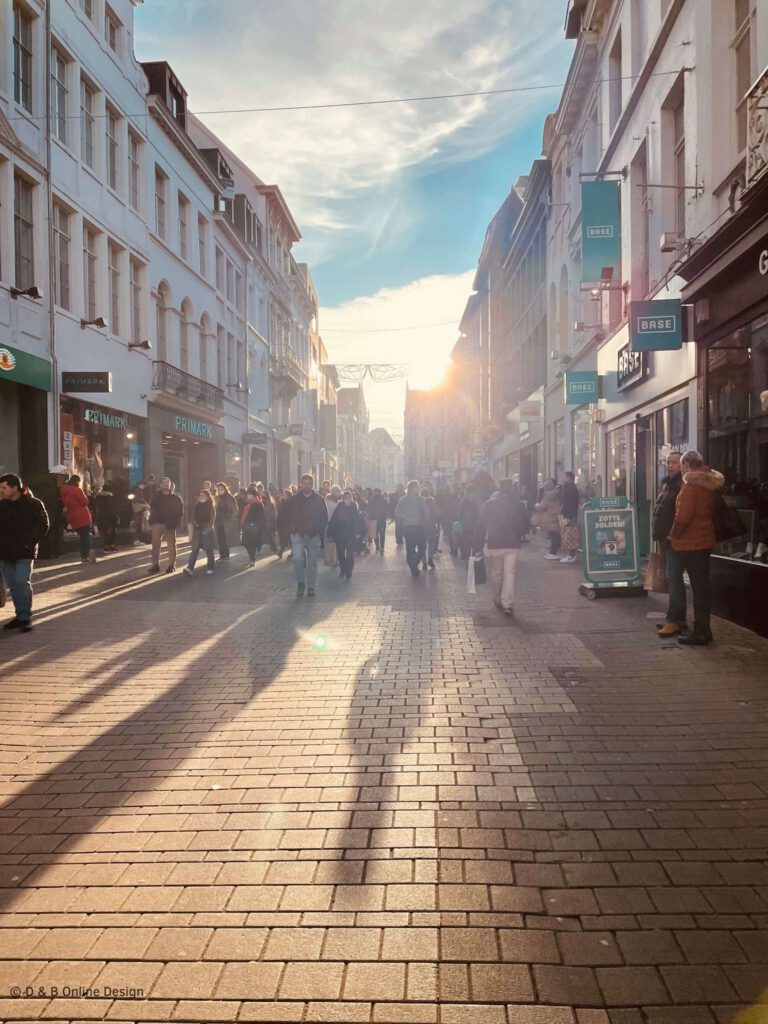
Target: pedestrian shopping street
(388, 803)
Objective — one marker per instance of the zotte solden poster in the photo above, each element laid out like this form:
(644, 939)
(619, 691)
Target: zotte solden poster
(610, 541)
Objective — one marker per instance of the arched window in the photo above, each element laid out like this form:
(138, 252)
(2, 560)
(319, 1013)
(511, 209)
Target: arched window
(186, 331)
(161, 322)
(205, 330)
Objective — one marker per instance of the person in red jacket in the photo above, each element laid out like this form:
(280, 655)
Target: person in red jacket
(78, 513)
(692, 537)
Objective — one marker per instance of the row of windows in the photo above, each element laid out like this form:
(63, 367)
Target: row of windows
(229, 369)
(24, 53)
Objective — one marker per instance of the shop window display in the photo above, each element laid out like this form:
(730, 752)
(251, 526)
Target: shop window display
(737, 429)
(621, 455)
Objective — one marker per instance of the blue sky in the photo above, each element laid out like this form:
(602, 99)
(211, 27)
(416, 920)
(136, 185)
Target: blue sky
(392, 200)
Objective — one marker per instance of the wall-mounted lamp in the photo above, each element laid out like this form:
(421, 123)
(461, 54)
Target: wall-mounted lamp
(31, 293)
(240, 388)
(144, 346)
(98, 322)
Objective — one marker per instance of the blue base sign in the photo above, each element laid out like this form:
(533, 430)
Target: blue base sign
(656, 326)
(609, 529)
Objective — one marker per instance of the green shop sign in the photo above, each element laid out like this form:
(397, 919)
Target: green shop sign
(609, 529)
(186, 425)
(656, 326)
(581, 387)
(600, 230)
(24, 369)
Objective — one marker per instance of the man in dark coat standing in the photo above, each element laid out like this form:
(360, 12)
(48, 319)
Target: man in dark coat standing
(23, 524)
(165, 515)
(661, 525)
(307, 518)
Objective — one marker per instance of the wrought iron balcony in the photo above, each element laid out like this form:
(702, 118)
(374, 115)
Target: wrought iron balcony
(757, 131)
(284, 362)
(174, 381)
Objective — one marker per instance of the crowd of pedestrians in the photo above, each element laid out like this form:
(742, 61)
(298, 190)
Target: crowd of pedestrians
(485, 520)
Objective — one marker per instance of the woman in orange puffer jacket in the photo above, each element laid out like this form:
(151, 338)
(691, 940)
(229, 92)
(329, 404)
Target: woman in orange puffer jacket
(78, 513)
(693, 536)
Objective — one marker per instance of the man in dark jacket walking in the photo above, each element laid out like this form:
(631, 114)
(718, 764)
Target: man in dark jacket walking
(23, 524)
(165, 514)
(307, 518)
(502, 522)
(661, 526)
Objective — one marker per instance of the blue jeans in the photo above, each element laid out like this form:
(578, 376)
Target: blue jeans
(677, 611)
(18, 576)
(305, 551)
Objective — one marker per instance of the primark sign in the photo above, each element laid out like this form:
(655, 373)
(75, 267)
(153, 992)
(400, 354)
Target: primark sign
(187, 425)
(656, 326)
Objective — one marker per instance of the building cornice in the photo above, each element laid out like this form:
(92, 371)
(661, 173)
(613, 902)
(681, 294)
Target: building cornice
(162, 116)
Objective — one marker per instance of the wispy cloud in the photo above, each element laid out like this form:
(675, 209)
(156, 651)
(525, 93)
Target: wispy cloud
(438, 300)
(254, 53)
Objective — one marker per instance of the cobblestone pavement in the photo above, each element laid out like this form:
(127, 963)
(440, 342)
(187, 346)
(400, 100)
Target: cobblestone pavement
(386, 804)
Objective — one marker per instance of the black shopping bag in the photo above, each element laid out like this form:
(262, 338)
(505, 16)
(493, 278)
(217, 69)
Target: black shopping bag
(481, 576)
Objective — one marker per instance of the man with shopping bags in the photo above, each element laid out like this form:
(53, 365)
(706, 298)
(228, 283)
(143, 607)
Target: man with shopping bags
(500, 529)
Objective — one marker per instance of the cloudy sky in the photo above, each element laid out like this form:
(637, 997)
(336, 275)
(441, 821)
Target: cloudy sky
(392, 199)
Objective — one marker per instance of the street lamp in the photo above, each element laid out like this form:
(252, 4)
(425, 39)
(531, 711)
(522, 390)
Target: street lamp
(33, 292)
(98, 322)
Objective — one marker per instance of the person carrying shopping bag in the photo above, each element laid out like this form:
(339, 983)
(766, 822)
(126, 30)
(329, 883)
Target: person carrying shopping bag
(501, 526)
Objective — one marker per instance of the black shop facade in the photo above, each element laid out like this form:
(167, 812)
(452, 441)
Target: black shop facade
(728, 289)
(187, 448)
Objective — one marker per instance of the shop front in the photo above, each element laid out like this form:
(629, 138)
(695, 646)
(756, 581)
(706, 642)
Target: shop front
(102, 445)
(25, 382)
(728, 287)
(188, 449)
(648, 409)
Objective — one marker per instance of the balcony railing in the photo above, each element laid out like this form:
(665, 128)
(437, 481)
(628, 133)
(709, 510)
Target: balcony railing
(174, 381)
(284, 362)
(757, 130)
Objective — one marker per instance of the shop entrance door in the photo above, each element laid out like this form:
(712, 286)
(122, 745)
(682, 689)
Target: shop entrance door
(645, 482)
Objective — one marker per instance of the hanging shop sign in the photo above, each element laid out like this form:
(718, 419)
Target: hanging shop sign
(74, 381)
(105, 419)
(478, 456)
(656, 326)
(254, 437)
(24, 369)
(600, 231)
(531, 411)
(609, 530)
(582, 387)
(197, 428)
(631, 367)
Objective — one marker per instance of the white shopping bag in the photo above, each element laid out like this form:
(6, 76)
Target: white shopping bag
(471, 576)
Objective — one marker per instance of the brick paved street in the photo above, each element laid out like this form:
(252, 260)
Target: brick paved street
(386, 804)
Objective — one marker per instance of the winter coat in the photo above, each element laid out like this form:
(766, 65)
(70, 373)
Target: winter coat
(330, 506)
(569, 494)
(166, 509)
(448, 509)
(664, 509)
(203, 520)
(469, 512)
(502, 523)
(548, 510)
(412, 511)
(378, 507)
(693, 528)
(307, 515)
(270, 514)
(226, 508)
(346, 523)
(76, 508)
(105, 510)
(252, 517)
(23, 524)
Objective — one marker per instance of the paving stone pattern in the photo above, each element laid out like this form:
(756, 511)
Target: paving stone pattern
(387, 804)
